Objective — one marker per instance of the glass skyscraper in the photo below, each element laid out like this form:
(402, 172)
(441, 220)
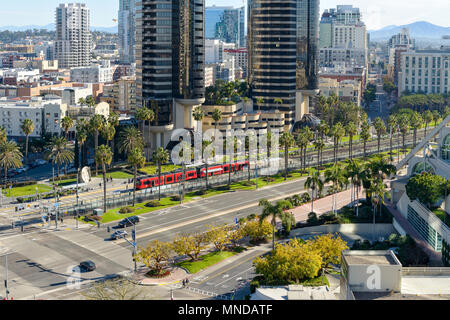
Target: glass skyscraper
(170, 58)
(226, 24)
(283, 49)
(127, 31)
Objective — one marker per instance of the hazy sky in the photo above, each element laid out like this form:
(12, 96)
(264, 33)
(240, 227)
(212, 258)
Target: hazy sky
(376, 13)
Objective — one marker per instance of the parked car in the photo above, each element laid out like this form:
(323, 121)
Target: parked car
(39, 162)
(128, 222)
(118, 234)
(87, 266)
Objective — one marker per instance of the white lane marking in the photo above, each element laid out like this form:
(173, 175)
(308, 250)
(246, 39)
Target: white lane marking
(234, 276)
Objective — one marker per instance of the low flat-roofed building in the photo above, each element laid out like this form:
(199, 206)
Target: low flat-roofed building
(293, 292)
(346, 90)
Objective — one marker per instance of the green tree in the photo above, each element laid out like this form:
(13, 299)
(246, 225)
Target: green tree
(136, 160)
(318, 146)
(427, 118)
(355, 171)
(287, 141)
(145, 114)
(130, 138)
(365, 135)
(351, 130)
(217, 116)
(273, 211)
(96, 124)
(160, 156)
(303, 139)
(380, 129)
(59, 153)
(67, 123)
(3, 135)
(10, 157)
(329, 247)
(337, 132)
(427, 188)
(336, 175)
(315, 183)
(259, 102)
(103, 155)
(27, 128)
(416, 122)
(392, 123)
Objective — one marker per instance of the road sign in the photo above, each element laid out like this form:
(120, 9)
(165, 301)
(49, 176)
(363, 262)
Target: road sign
(134, 244)
(56, 204)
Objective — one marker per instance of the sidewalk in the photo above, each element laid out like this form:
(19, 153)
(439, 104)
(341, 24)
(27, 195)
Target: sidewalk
(322, 205)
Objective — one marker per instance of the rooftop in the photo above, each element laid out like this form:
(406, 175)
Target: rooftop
(369, 257)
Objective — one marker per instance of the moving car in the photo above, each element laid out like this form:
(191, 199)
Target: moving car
(118, 234)
(128, 222)
(87, 265)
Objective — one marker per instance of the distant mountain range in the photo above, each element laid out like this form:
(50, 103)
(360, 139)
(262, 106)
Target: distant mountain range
(420, 30)
(51, 27)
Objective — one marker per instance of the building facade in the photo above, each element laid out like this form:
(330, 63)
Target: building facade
(170, 57)
(73, 37)
(226, 24)
(121, 95)
(127, 31)
(94, 74)
(283, 51)
(424, 71)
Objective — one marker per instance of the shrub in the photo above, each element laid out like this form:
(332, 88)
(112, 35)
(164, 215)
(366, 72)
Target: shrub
(175, 198)
(126, 210)
(312, 218)
(268, 179)
(253, 285)
(305, 197)
(200, 193)
(251, 217)
(153, 203)
(248, 183)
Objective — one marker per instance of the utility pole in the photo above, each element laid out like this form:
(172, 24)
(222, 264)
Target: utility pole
(56, 200)
(6, 281)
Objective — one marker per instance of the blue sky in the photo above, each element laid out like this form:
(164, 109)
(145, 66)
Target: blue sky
(376, 13)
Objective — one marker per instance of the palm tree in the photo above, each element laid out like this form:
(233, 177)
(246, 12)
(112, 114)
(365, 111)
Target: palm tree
(81, 136)
(82, 130)
(108, 132)
(278, 101)
(337, 132)
(59, 153)
(355, 172)
(198, 115)
(27, 128)
(314, 182)
(113, 120)
(336, 175)
(67, 123)
(380, 129)
(104, 155)
(10, 156)
(351, 130)
(403, 123)
(3, 135)
(436, 117)
(90, 102)
(303, 139)
(205, 143)
(323, 130)
(427, 118)
(392, 122)
(259, 102)
(96, 124)
(146, 114)
(318, 146)
(377, 192)
(274, 211)
(365, 135)
(416, 122)
(286, 140)
(161, 156)
(130, 138)
(136, 160)
(380, 168)
(217, 116)
(82, 101)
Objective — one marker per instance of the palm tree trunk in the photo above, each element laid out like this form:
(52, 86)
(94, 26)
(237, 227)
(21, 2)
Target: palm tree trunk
(286, 160)
(96, 145)
(206, 176)
(104, 187)
(6, 175)
(273, 235)
(134, 185)
(229, 174)
(379, 140)
(159, 180)
(318, 159)
(26, 149)
(364, 149)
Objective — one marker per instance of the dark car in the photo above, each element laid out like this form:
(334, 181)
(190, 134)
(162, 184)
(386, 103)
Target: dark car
(128, 222)
(87, 265)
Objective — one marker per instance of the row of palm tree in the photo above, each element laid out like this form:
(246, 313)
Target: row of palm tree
(368, 175)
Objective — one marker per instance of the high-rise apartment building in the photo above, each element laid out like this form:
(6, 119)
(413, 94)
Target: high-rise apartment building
(170, 58)
(127, 31)
(283, 40)
(226, 24)
(343, 38)
(73, 37)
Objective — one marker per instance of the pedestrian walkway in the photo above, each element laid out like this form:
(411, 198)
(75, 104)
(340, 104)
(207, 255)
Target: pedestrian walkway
(322, 205)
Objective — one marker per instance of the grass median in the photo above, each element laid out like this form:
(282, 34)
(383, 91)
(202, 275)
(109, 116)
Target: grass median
(206, 261)
(27, 190)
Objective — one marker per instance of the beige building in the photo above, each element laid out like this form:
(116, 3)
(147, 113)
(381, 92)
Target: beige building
(121, 95)
(346, 90)
(241, 116)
